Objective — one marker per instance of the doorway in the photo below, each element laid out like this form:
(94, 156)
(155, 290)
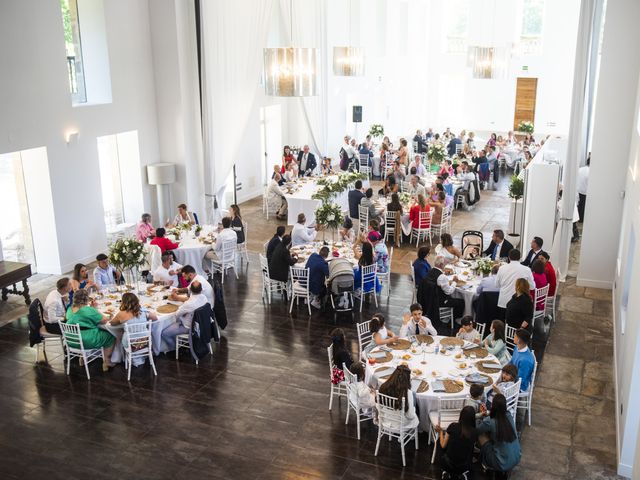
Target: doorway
(526, 90)
(271, 139)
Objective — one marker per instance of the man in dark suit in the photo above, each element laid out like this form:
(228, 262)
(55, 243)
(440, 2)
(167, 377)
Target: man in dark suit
(275, 241)
(354, 197)
(499, 247)
(536, 249)
(422, 145)
(306, 161)
(434, 292)
(451, 148)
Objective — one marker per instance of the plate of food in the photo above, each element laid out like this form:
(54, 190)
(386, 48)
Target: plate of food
(417, 372)
(406, 356)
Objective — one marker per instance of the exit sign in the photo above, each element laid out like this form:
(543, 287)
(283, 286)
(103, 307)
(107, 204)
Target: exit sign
(525, 68)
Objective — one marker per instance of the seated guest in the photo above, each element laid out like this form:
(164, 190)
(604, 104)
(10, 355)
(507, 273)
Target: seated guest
(415, 323)
(438, 205)
(450, 253)
(415, 188)
(496, 343)
(366, 396)
(275, 197)
(520, 308)
(380, 334)
(421, 171)
(420, 265)
(365, 258)
(508, 376)
(55, 306)
(80, 279)
(488, 283)
(499, 247)
(394, 205)
(347, 233)
(398, 386)
(499, 444)
(277, 175)
(368, 202)
(341, 354)
(184, 216)
(163, 242)
(236, 222)
(104, 274)
(144, 229)
(88, 318)
(167, 272)
(523, 358)
(479, 159)
(184, 315)
(507, 276)
(131, 311)
(390, 186)
(466, 175)
(318, 273)
(326, 167)
(451, 147)
(457, 443)
(275, 241)
(301, 234)
(446, 167)
(540, 279)
(419, 139)
(435, 291)
(536, 249)
(550, 272)
(414, 213)
(380, 252)
(291, 172)
(227, 234)
(365, 150)
(190, 275)
(467, 331)
(398, 172)
(306, 161)
(281, 260)
(354, 197)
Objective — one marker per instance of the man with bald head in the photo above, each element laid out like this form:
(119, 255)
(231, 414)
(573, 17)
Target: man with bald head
(184, 315)
(307, 161)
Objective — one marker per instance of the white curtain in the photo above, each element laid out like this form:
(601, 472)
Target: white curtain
(234, 33)
(581, 107)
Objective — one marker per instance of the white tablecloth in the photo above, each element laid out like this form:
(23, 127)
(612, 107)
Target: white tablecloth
(445, 366)
(192, 249)
(301, 202)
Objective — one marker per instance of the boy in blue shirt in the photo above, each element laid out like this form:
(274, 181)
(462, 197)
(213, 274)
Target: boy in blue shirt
(523, 358)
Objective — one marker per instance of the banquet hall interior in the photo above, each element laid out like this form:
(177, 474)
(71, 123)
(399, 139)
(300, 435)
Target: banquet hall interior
(320, 239)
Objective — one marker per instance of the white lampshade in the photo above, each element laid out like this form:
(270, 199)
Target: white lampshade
(161, 173)
(290, 72)
(348, 61)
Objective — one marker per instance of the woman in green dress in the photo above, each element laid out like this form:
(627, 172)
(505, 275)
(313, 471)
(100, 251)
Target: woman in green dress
(85, 315)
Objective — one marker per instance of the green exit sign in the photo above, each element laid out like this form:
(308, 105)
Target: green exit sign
(525, 68)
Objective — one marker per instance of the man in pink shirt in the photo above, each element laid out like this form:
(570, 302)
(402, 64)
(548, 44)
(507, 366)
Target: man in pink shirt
(145, 230)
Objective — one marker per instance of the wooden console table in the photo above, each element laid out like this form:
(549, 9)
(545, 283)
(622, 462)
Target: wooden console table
(12, 273)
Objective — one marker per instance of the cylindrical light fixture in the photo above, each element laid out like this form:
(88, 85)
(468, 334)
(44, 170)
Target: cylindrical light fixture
(162, 175)
(348, 61)
(290, 72)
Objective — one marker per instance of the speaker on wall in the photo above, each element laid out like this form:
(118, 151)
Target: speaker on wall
(357, 114)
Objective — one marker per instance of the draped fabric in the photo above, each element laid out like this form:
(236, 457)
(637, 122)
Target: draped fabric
(234, 33)
(581, 108)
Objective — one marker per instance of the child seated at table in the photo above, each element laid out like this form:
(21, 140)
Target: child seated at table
(477, 401)
(467, 331)
(508, 377)
(366, 394)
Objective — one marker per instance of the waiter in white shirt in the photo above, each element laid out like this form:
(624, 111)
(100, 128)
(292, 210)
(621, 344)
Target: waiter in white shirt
(168, 271)
(184, 315)
(581, 186)
(507, 276)
(300, 233)
(55, 306)
(415, 324)
(190, 275)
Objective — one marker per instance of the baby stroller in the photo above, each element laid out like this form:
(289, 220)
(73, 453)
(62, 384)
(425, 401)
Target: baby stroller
(341, 284)
(472, 244)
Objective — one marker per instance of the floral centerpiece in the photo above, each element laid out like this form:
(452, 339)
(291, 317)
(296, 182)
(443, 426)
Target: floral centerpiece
(484, 265)
(404, 197)
(329, 216)
(179, 229)
(127, 254)
(331, 187)
(525, 126)
(436, 153)
(376, 130)
(197, 230)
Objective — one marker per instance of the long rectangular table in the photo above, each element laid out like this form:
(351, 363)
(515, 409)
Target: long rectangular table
(12, 273)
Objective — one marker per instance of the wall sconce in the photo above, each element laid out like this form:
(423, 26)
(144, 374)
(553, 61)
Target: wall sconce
(71, 137)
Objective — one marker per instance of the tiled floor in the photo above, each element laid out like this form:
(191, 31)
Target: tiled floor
(258, 408)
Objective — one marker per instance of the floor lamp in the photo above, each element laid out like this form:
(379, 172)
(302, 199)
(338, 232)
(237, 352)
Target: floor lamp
(162, 175)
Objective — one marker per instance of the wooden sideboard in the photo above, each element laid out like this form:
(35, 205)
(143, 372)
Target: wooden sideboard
(12, 273)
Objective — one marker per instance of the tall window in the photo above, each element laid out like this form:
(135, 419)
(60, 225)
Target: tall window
(74, 51)
(532, 22)
(456, 26)
(110, 181)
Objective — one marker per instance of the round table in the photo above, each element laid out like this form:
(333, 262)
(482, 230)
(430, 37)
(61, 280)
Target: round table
(444, 366)
(193, 249)
(299, 199)
(341, 249)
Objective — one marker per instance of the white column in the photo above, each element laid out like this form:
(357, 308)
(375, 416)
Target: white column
(614, 114)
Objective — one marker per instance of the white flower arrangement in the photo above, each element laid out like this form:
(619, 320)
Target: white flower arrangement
(404, 197)
(525, 126)
(436, 152)
(484, 265)
(329, 215)
(376, 130)
(127, 254)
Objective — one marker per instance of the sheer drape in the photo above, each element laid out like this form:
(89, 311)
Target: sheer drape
(581, 106)
(234, 33)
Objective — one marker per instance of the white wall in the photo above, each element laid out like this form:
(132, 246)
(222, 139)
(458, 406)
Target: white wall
(37, 111)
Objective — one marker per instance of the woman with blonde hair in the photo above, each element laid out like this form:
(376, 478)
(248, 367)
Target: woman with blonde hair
(520, 308)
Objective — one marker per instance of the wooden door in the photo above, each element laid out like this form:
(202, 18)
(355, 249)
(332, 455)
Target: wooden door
(525, 101)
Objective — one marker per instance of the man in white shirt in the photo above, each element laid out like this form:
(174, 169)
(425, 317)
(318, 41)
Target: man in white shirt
(104, 274)
(507, 276)
(190, 275)
(184, 315)
(415, 187)
(421, 171)
(55, 306)
(488, 284)
(300, 233)
(466, 175)
(581, 186)
(227, 234)
(168, 271)
(415, 324)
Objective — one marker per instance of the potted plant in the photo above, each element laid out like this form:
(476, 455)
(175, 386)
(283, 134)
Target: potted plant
(516, 191)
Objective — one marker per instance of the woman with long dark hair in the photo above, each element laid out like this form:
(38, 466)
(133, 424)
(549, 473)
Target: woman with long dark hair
(499, 444)
(398, 386)
(496, 343)
(380, 335)
(236, 222)
(457, 442)
(341, 354)
(365, 258)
